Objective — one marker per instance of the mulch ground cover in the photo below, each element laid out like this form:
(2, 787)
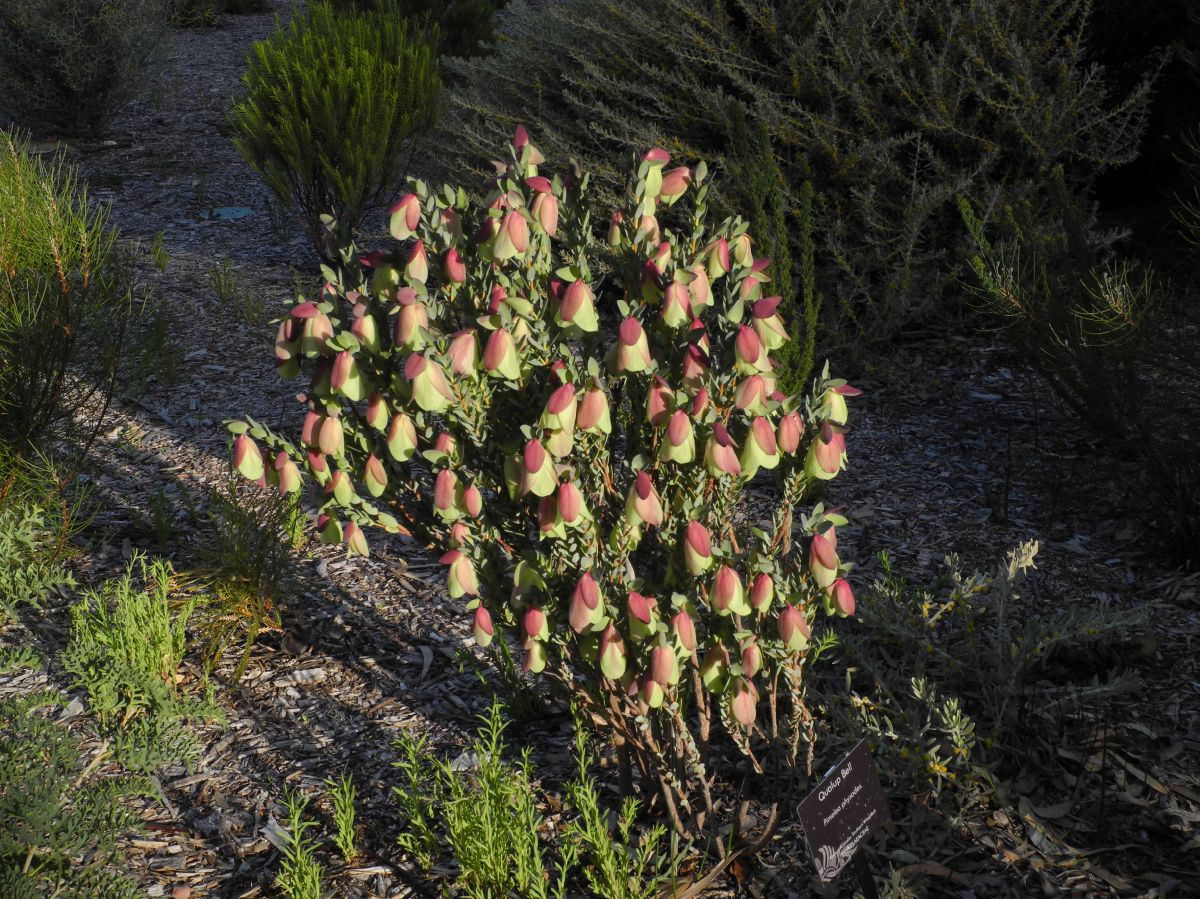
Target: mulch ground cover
(956, 448)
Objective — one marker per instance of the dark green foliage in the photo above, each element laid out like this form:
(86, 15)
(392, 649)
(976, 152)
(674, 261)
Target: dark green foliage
(59, 824)
(890, 110)
(190, 13)
(35, 524)
(333, 106)
(125, 648)
(65, 65)
(1116, 344)
(245, 562)
(64, 302)
(761, 182)
(464, 26)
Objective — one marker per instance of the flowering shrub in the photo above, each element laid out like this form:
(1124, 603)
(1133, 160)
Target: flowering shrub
(578, 446)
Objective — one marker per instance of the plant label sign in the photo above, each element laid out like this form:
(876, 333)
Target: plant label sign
(845, 808)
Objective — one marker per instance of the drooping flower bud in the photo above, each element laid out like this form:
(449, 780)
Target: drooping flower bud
(405, 216)
(742, 702)
(593, 414)
(587, 611)
(331, 438)
(356, 541)
(366, 332)
(674, 183)
(317, 330)
(571, 508)
(649, 691)
(430, 389)
(659, 400)
(751, 395)
(578, 308)
(697, 548)
(839, 599)
(472, 501)
(714, 670)
(340, 488)
(685, 631)
(537, 471)
(741, 250)
(826, 453)
(560, 411)
(677, 307)
(680, 443)
(641, 613)
(751, 657)
(247, 458)
(663, 667)
(416, 267)
(717, 258)
(793, 629)
(534, 659)
(749, 352)
(699, 289)
(720, 453)
(762, 592)
(642, 504)
(461, 578)
(482, 627)
(513, 237)
(614, 229)
(760, 449)
(612, 653)
(402, 438)
(330, 529)
(500, 358)
(832, 406)
(447, 495)
(287, 474)
(534, 625)
(346, 378)
(374, 476)
(822, 561)
(631, 352)
(727, 595)
(790, 432)
(464, 353)
(767, 323)
(454, 270)
(544, 210)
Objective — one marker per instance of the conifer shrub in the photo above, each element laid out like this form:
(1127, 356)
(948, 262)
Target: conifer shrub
(334, 103)
(64, 303)
(579, 450)
(59, 822)
(890, 110)
(65, 65)
(1114, 341)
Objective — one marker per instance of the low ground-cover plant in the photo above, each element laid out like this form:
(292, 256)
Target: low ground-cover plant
(464, 27)
(64, 303)
(334, 102)
(59, 822)
(191, 13)
(65, 65)
(480, 813)
(300, 875)
(125, 648)
(580, 450)
(36, 524)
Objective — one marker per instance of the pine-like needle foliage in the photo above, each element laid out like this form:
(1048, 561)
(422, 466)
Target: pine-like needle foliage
(334, 102)
(59, 824)
(891, 110)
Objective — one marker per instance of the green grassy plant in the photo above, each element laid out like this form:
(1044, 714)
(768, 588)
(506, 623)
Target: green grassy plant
(248, 305)
(59, 823)
(67, 64)
(245, 560)
(125, 648)
(36, 523)
(342, 793)
(333, 105)
(64, 302)
(300, 874)
(464, 27)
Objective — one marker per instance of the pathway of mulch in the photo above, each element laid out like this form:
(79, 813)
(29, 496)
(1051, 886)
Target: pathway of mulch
(956, 448)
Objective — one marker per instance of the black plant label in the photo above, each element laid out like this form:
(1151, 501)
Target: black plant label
(846, 807)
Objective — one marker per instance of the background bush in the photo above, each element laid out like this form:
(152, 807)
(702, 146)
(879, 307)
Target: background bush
(64, 302)
(890, 110)
(464, 26)
(66, 64)
(333, 105)
(205, 12)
